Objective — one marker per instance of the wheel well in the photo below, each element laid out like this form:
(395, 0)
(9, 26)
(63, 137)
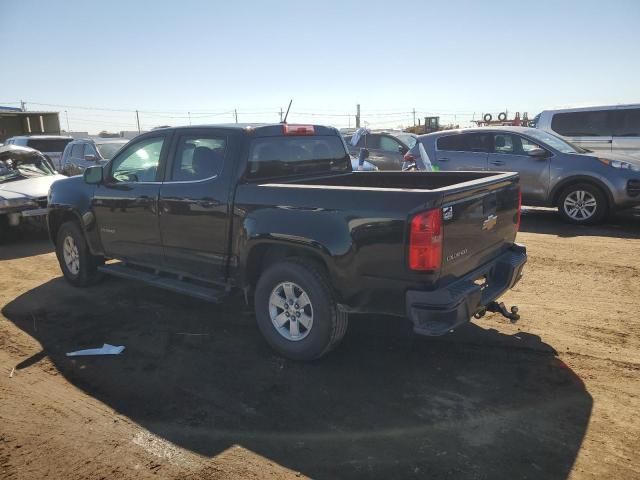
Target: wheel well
(575, 181)
(263, 256)
(56, 219)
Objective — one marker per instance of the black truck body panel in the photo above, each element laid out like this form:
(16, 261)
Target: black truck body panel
(221, 229)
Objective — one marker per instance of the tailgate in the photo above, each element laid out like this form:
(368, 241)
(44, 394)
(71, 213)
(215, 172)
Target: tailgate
(479, 221)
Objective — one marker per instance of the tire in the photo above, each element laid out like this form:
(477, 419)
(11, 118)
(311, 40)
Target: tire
(79, 267)
(328, 324)
(487, 117)
(585, 194)
(502, 116)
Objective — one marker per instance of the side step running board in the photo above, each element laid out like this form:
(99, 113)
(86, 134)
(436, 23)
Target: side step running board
(172, 283)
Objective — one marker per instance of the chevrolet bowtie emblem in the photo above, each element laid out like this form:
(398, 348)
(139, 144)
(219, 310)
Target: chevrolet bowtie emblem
(490, 222)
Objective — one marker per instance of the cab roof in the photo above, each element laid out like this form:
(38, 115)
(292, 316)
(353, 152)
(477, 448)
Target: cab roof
(255, 129)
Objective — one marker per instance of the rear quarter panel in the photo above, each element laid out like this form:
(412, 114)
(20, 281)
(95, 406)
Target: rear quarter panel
(358, 234)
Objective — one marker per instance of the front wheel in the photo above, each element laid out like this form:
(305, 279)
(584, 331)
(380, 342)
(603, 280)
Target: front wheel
(296, 310)
(583, 204)
(79, 267)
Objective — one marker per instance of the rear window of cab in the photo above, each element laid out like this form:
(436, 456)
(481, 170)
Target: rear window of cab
(297, 155)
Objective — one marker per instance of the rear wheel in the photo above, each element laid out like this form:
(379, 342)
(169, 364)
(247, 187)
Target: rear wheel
(583, 204)
(296, 310)
(79, 267)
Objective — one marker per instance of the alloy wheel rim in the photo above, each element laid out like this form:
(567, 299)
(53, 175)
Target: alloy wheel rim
(580, 205)
(291, 311)
(71, 255)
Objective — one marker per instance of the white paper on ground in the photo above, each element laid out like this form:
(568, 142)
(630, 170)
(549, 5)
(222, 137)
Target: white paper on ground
(105, 350)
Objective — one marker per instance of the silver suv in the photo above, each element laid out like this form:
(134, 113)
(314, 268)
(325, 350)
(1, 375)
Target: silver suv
(585, 186)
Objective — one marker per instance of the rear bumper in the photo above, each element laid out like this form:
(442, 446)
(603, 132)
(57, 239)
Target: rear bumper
(439, 311)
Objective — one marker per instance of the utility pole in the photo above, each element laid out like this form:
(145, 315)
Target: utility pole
(67, 115)
(189, 113)
(138, 121)
(281, 112)
(414, 117)
(23, 106)
(358, 116)
(235, 113)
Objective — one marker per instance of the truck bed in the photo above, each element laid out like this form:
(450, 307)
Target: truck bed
(362, 218)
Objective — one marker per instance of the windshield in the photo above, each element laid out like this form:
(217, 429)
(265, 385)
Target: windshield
(108, 150)
(35, 166)
(409, 140)
(555, 142)
(48, 145)
(283, 156)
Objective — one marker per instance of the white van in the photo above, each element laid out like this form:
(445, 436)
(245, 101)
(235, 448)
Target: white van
(614, 128)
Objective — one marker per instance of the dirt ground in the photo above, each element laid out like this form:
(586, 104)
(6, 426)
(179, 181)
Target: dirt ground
(197, 394)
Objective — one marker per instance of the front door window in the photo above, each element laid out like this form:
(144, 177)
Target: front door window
(139, 162)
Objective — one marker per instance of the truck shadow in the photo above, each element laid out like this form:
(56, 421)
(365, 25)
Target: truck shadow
(622, 225)
(386, 404)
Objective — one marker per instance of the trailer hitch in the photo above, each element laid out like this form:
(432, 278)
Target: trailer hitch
(501, 309)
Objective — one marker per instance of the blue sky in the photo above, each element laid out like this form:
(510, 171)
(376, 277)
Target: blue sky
(209, 58)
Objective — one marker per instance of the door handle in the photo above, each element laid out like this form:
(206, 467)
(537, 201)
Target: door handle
(443, 159)
(497, 162)
(206, 203)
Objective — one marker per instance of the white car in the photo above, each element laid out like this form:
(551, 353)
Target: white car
(25, 178)
(606, 129)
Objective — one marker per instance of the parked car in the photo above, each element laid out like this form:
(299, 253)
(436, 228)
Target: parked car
(82, 153)
(585, 186)
(50, 145)
(614, 128)
(25, 178)
(275, 211)
(385, 149)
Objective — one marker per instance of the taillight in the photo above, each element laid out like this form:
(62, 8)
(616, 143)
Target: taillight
(408, 157)
(297, 129)
(425, 241)
(519, 214)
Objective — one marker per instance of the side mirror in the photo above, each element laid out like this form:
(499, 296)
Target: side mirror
(93, 175)
(402, 149)
(537, 153)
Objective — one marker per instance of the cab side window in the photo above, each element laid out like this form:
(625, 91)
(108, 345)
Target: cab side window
(466, 142)
(370, 140)
(452, 143)
(527, 145)
(139, 162)
(503, 143)
(89, 150)
(509, 144)
(76, 150)
(388, 144)
(198, 158)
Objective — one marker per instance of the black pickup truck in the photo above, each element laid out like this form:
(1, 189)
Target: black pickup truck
(276, 211)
